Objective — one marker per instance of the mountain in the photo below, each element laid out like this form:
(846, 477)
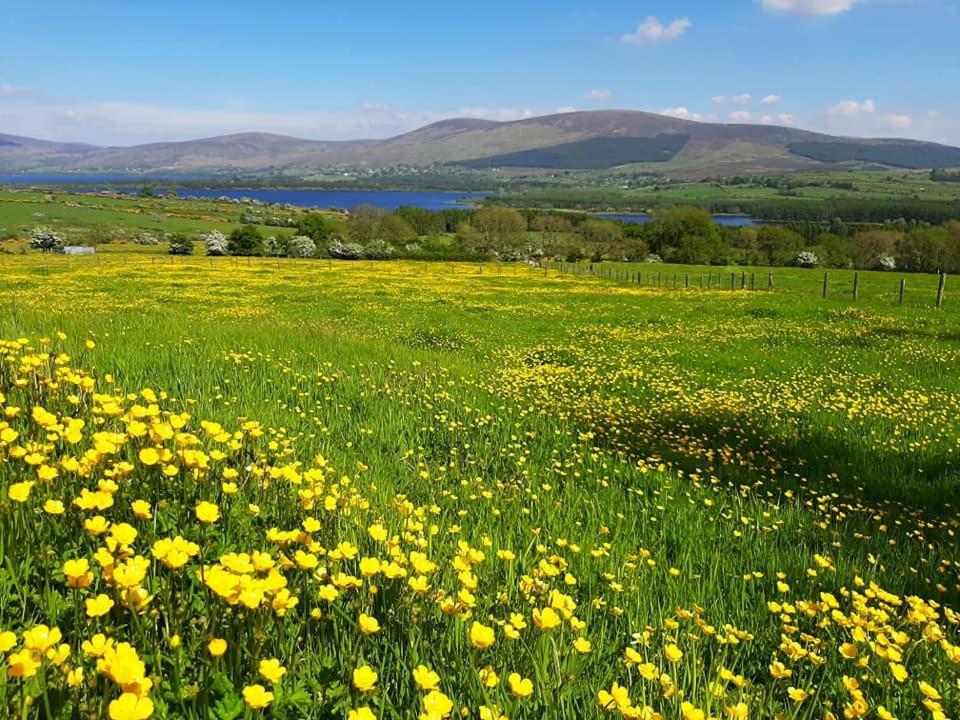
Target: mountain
(599, 140)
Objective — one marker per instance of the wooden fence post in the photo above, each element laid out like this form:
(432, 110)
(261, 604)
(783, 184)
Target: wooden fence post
(770, 281)
(856, 285)
(903, 286)
(826, 285)
(940, 288)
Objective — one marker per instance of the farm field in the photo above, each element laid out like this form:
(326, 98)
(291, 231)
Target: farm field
(310, 489)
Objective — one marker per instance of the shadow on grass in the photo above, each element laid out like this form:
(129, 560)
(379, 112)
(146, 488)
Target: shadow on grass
(829, 463)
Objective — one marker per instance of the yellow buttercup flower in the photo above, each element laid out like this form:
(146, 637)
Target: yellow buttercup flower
(257, 697)
(131, 707)
(481, 636)
(207, 512)
(272, 670)
(217, 647)
(99, 606)
(365, 678)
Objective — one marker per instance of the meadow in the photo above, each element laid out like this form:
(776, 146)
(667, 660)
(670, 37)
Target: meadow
(308, 489)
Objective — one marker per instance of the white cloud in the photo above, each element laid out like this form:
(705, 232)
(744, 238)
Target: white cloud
(740, 116)
(897, 122)
(375, 107)
(771, 100)
(852, 108)
(598, 95)
(564, 109)
(744, 99)
(785, 119)
(652, 30)
(767, 120)
(718, 100)
(682, 113)
(809, 7)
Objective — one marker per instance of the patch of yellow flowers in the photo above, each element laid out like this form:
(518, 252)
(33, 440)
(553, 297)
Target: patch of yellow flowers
(158, 565)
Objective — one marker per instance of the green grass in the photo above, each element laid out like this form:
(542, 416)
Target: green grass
(677, 452)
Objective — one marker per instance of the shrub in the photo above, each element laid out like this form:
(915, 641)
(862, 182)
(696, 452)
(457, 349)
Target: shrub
(46, 240)
(180, 244)
(302, 246)
(245, 240)
(887, 262)
(215, 243)
(378, 250)
(146, 238)
(345, 251)
(808, 259)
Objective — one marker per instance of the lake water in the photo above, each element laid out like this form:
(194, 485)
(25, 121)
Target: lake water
(728, 220)
(346, 199)
(341, 199)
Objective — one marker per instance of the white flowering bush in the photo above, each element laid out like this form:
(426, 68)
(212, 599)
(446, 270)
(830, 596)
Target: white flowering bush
(808, 259)
(378, 250)
(46, 240)
(215, 243)
(888, 262)
(654, 258)
(146, 239)
(302, 246)
(345, 251)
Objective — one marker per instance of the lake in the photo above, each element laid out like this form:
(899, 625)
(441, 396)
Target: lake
(433, 200)
(346, 199)
(343, 199)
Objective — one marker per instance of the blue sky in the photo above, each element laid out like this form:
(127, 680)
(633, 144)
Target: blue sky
(123, 73)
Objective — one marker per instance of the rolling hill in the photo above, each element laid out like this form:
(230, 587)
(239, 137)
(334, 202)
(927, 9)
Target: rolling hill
(598, 140)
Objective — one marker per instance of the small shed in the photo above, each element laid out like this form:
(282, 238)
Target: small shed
(79, 250)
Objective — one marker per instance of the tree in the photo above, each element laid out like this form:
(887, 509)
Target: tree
(700, 250)
(870, 245)
(215, 243)
(46, 240)
(245, 240)
(314, 226)
(834, 251)
(923, 250)
(363, 223)
(778, 245)
(671, 225)
(501, 230)
(394, 228)
(603, 238)
(181, 244)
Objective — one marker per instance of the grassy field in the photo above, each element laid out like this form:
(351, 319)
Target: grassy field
(301, 489)
(118, 220)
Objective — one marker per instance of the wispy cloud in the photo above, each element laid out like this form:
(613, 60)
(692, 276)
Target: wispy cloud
(124, 123)
(740, 116)
(852, 108)
(598, 95)
(809, 7)
(771, 100)
(682, 113)
(897, 122)
(652, 31)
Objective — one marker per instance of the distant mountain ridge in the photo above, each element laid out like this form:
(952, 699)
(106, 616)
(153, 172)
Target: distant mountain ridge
(596, 140)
